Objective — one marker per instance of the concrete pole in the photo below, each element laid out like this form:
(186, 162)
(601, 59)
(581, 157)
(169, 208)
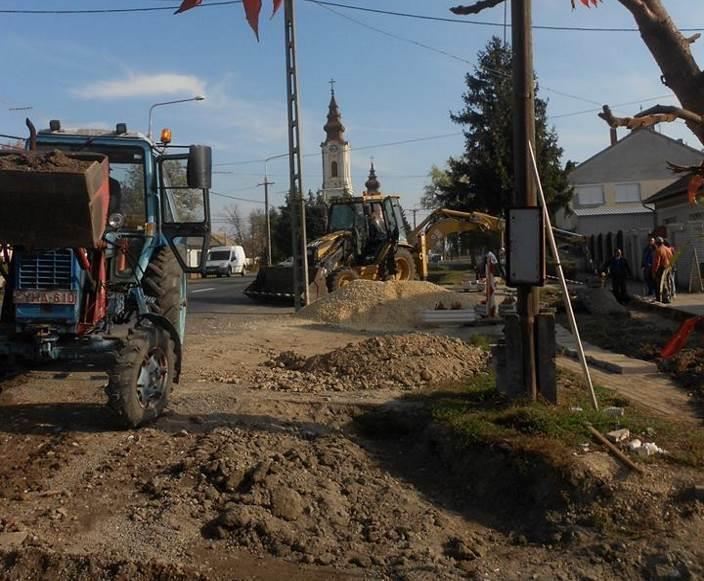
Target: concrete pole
(525, 189)
(296, 202)
(266, 183)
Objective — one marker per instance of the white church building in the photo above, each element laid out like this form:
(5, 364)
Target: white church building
(337, 171)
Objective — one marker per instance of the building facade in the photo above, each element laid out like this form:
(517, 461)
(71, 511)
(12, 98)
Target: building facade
(682, 223)
(611, 189)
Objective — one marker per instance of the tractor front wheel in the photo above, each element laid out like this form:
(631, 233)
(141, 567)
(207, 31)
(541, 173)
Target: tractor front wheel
(140, 382)
(341, 278)
(405, 265)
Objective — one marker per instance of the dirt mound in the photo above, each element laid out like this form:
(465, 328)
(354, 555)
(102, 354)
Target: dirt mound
(374, 305)
(314, 499)
(600, 301)
(391, 362)
(54, 161)
(36, 563)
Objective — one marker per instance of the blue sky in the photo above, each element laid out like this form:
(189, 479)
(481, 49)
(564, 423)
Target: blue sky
(96, 70)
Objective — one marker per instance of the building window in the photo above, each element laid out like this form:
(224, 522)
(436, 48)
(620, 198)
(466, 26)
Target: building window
(334, 169)
(627, 193)
(589, 195)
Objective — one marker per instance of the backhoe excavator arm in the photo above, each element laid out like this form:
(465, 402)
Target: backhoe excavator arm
(443, 222)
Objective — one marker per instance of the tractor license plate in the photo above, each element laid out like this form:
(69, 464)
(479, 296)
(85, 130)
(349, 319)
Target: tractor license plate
(44, 297)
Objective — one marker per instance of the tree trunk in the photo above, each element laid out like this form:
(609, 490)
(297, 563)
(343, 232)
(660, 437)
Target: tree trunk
(672, 53)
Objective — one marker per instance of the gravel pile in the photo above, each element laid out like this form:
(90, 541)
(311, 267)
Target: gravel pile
(381, 306)
(392, 362)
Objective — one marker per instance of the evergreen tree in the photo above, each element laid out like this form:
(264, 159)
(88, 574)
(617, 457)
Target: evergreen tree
(482, 178)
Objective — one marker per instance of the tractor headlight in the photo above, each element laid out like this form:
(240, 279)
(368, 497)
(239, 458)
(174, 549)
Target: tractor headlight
(116, 221)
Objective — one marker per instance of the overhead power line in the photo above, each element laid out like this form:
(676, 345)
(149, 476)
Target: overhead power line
(216, 3)
(229, 197)
(485, 23)
(113, 10)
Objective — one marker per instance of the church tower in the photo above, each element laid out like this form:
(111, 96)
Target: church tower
(337, 173)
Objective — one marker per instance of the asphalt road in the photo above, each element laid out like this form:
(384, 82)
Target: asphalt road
(226, 296)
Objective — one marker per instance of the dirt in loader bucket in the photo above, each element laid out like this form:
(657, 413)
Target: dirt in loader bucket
(52, 199)
(53, 161)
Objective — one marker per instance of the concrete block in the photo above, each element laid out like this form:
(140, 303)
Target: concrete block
(512, 364)
(546, 348)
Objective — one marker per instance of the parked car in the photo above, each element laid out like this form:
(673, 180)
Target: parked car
(226, 261)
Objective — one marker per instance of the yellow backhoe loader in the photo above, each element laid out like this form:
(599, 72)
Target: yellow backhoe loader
(367, 238)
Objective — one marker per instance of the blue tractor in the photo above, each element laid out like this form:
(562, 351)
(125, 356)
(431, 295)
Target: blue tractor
(98, 231)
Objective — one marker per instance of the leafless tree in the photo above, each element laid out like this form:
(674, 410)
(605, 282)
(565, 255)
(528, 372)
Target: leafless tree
(234, 222)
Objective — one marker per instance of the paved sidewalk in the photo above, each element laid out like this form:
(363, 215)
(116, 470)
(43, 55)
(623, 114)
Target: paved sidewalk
(654, 391)
(684, 305)
(597, 357)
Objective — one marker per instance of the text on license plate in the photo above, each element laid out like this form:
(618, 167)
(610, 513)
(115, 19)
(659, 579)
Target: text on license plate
(44, 297)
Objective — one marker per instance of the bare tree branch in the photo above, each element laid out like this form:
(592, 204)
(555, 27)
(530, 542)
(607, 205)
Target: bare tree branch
(652, 116)
(477, 7)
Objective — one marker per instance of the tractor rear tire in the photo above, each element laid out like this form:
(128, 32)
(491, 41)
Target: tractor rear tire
(140, 382)
(405, 265)
(162, 280)
(341, 278)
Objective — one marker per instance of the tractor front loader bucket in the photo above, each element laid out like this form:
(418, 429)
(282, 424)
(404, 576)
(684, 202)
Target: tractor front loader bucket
(52, 199)
(275, 284)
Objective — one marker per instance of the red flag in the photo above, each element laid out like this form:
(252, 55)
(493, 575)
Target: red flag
(187, 5)
(277, 5)
(680, 337)
(695, 183)
(252, 8)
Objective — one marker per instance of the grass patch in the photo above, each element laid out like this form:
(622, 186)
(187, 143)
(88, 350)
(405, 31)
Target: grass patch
(477, 413)
(484, 342)
(449, 273)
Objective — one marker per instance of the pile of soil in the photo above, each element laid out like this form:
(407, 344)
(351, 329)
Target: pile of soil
(319, 499)
(391, 362)
(600, 301)
(381, 306)
(47, 161)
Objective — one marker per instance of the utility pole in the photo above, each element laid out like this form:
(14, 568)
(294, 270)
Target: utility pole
(266, 183)
(525, 193)
(298, 209)
(414, 210)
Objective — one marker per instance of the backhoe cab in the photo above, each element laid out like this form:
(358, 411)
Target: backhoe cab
(97, 231)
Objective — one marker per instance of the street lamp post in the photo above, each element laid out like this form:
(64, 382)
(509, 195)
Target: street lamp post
(155, 105)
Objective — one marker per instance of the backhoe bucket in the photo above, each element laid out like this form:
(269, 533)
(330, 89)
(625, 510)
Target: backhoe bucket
(275, 284)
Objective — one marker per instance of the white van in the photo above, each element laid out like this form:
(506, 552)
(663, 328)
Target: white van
(226, 261)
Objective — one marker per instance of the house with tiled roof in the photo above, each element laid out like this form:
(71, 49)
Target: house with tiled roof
(612, 187)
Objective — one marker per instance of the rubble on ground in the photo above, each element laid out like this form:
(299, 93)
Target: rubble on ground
(389, 362)
(317, 499)
(382, 306)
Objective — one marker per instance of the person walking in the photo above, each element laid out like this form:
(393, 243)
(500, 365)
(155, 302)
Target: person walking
(619, 270)
(662, 258)
(647, 266)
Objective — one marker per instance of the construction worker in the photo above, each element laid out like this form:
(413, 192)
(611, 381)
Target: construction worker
(662, 259)
(619, 270)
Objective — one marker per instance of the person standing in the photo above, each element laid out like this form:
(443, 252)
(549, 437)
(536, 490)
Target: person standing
(662, 257)
(647, 266)
(619, 270)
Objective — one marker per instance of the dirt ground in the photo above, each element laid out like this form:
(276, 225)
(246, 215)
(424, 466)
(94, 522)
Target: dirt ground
(244, 479)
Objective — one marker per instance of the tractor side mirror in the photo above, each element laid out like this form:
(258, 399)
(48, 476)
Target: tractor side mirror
(200, 167)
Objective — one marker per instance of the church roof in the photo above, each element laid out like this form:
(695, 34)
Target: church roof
(334, 128)
(372, 184)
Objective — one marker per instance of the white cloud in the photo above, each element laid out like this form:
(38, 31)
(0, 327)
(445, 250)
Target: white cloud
(143, 85)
